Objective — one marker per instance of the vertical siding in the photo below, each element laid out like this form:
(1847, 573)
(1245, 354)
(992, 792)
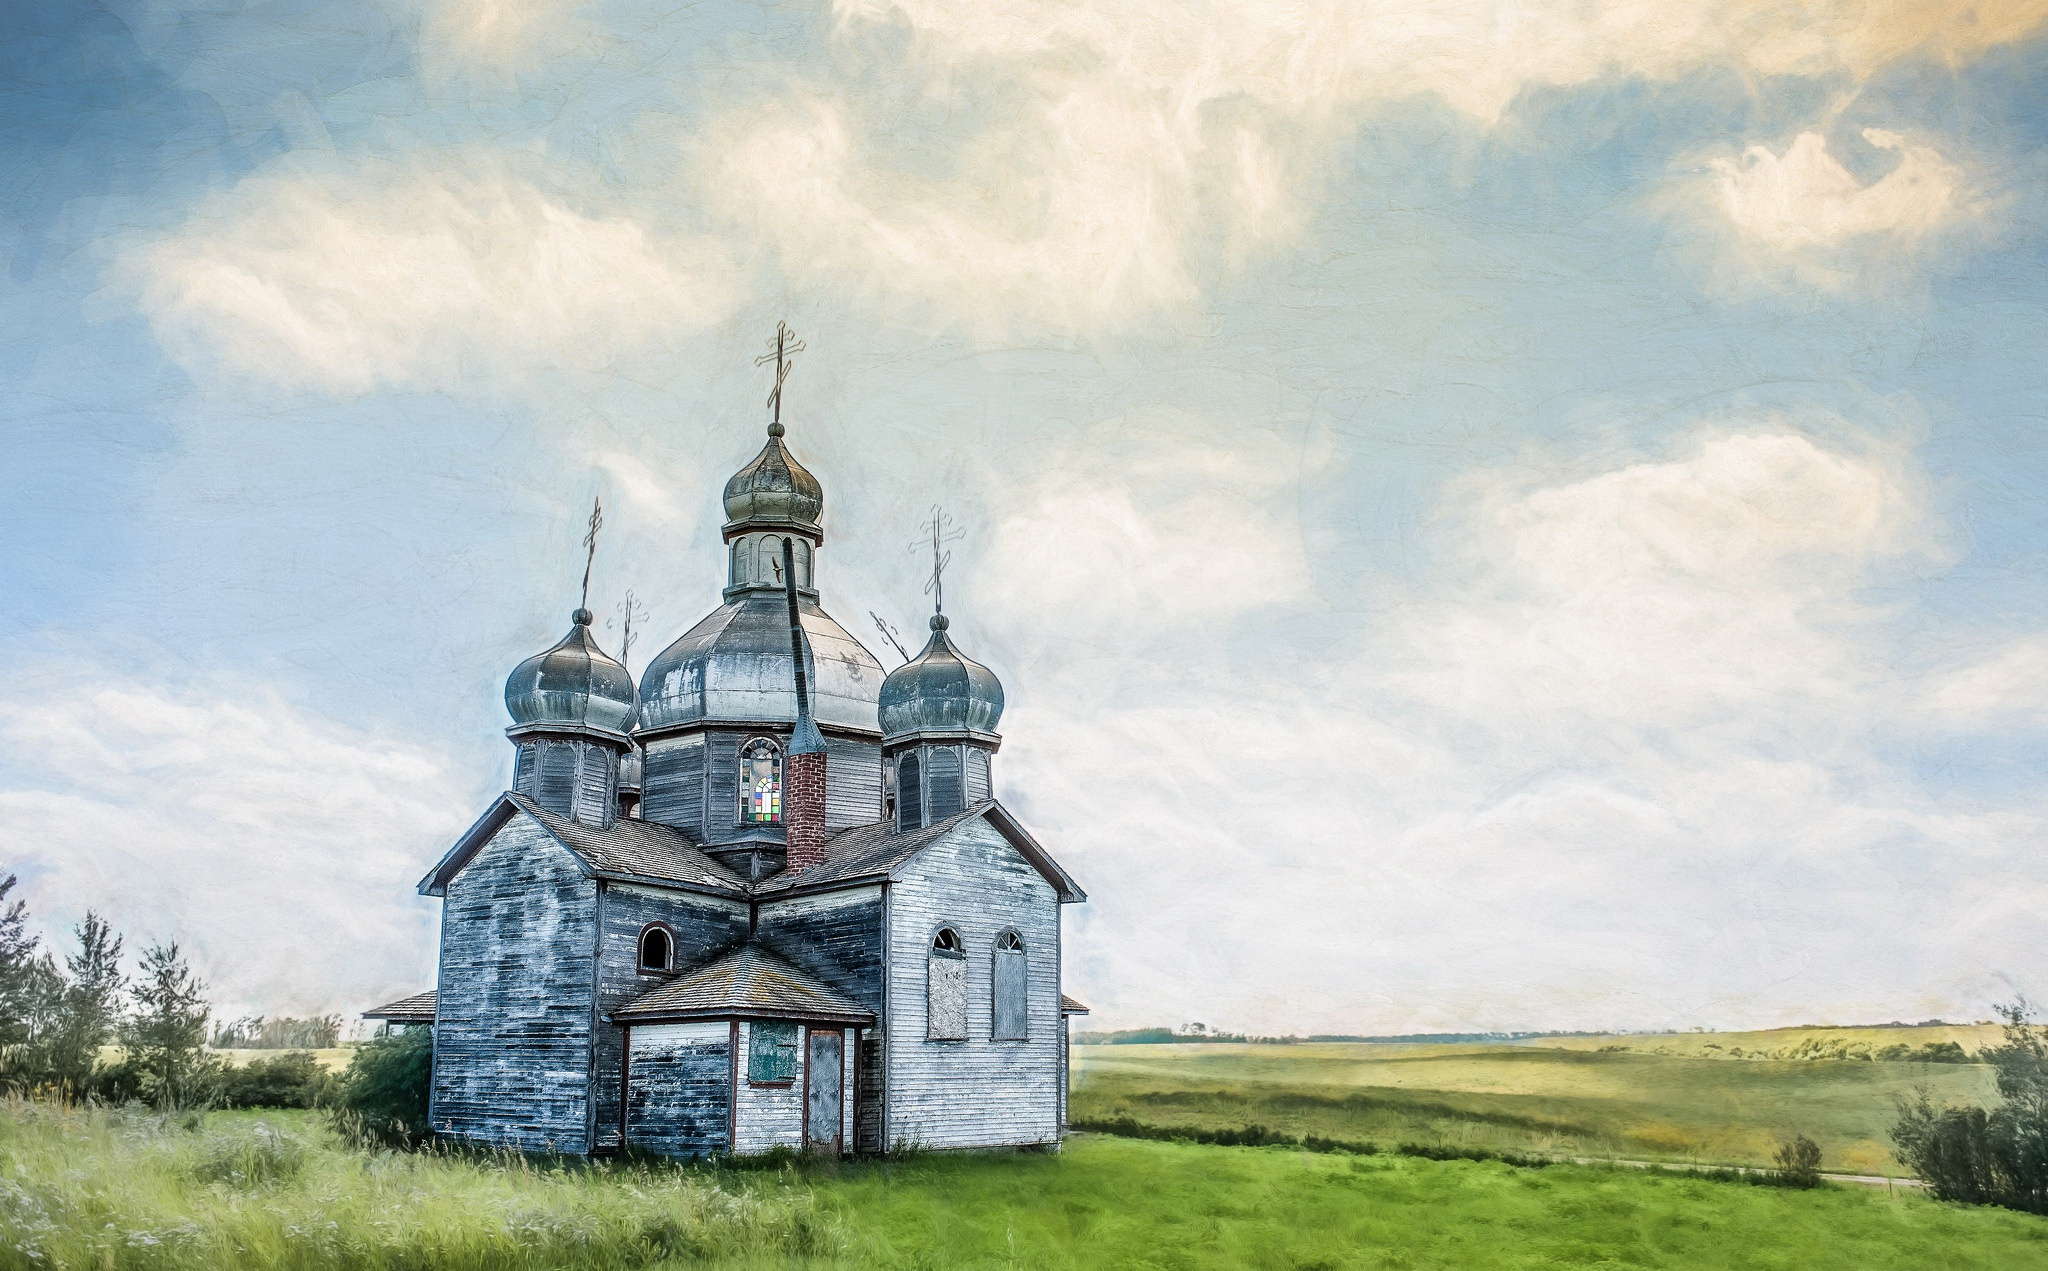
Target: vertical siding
(722, 783)
(705, 926)
(977, 1092)
(836, 937)
(512, 1048)
(672, 783)
(853, 783)
(680, 1098)
(767, 1116)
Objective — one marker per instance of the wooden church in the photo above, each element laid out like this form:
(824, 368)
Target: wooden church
(767, 899)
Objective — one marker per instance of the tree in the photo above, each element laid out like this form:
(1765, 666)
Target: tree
(381, 1101)
(1995, 1156)
(31, 997)
(166, 1037)
(91, 1008)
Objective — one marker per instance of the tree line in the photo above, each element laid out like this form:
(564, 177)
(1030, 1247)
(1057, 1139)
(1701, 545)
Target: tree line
(60, 1017)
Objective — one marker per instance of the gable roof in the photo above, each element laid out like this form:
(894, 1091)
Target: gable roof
(628, 850)
(874, 853)
(752, 981)
(417, 1009)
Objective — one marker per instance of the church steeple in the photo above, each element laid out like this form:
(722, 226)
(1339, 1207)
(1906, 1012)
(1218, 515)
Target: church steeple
(773, 498)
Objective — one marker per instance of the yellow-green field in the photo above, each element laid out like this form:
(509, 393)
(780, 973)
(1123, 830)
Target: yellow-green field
(1668, 1098)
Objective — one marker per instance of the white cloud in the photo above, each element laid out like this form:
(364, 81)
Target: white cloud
(1081, 165)
(1801, 218)
(379, 274)
(276, 847)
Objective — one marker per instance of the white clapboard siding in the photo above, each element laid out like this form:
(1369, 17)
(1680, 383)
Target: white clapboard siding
(978, 1092)
(765, 1117)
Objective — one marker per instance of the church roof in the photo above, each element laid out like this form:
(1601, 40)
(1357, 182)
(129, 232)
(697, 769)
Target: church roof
(417, 1009)
(752, 981)
(627, 849)
(873, 853)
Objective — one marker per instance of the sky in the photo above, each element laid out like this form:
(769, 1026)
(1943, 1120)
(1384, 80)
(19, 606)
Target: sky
(1499, 515)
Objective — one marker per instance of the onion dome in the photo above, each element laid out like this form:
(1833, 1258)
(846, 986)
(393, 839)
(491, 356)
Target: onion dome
(939, 691)
(774, 490)
(573, 686)
(735, 665)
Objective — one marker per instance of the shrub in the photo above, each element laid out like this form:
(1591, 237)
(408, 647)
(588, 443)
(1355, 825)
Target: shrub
(381, 1101)
(1798, 1163)
(1995, 1156)
(291, 1080)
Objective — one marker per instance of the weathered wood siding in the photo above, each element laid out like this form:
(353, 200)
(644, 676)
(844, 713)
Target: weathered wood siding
(836, 937)
(680, 1097)
(512, 1046)
(672, 783)
(722, 782)
(978, 1092)
(705, 926)
(767, 1116)
(853, 783)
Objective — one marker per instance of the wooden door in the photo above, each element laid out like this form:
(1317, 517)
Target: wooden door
(823, 1077)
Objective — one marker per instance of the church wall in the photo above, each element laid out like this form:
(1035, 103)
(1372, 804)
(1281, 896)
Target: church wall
(680, 1097)
(836, 937)
(672, 783)
(767, 1115)
(977, 1092)
(703, 925)
(512, 1045)
(853, 783)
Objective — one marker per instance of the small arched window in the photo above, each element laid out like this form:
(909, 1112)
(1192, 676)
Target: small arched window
(946, 988)
(657, 948)
(761, 782)
(1012, 989)
(909, 794)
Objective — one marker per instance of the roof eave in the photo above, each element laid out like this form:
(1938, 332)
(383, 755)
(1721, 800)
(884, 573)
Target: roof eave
(1070, 892)
(859, 1020)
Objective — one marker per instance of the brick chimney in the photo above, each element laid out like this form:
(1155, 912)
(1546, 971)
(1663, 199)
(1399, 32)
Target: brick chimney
(803, 775)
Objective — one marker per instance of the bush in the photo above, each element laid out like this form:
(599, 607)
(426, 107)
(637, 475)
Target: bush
(1996, 1156)
(1798, 1163)
(291, 1080)
(381, 1101)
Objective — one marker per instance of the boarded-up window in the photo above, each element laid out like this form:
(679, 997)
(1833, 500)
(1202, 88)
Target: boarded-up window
(771, 1052)
(1011, 989)
(946, 988)
(522, 771)
(945, 783)
(909, 798)
(977, 776)
(555, 784)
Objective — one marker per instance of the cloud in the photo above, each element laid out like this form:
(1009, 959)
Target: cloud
(1803, 219)
(276, 846)
(347, 279)
(1080, 165)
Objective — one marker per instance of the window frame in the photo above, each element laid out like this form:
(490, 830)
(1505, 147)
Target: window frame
(743, 786)
(1009, 942)
(640, 949)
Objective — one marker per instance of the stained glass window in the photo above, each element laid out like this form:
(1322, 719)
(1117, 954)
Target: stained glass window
(761, 782)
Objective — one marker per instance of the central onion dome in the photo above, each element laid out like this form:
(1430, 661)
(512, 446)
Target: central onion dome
(941, 692)
(574, 686)
(734, 666)
(773, 490)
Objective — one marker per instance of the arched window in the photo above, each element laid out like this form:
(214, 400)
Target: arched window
(946, 988)
(657, 948)
(1012, 989)
(761, 782)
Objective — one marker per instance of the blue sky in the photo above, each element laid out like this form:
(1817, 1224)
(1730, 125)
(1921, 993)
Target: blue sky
(1506, 515)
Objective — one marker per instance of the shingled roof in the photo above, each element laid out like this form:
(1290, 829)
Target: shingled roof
(751, 982)
(627, 849)
(417, 1009)
(872, 853)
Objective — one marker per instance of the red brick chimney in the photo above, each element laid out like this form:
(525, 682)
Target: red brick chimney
(803, 776)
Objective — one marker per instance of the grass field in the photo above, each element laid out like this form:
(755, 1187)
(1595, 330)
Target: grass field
(245, 1190)
(1679, 1098)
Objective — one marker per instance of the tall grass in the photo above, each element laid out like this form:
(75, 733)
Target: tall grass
(115, 1189)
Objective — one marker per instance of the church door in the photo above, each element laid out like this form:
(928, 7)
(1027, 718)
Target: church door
(822, 1076)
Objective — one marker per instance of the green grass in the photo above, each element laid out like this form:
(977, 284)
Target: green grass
(244, 1190)
(1665, 1099)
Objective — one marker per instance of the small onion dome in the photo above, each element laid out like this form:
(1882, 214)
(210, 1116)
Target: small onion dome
(939, 691)
(773, 490)
(573, 685)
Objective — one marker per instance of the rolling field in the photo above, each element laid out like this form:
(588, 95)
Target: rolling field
(1676, 1098)
(246, 1190)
